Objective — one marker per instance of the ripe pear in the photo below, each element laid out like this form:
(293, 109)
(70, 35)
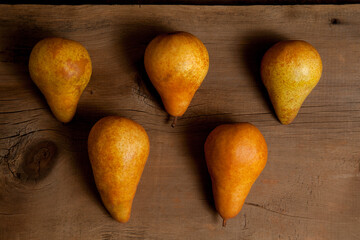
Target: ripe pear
(235, 155)
(176, 64)
(118, 149)
(290, 70)
(61, 69)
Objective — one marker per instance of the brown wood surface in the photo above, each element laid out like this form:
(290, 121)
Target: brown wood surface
(188, 2)
(309, 188)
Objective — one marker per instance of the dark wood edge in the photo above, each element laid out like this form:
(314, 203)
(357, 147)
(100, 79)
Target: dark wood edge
(180, 2)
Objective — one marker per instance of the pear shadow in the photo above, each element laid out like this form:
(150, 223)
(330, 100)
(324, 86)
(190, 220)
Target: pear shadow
(132, 45)
(21, 40)
(77, 132)
(195, 134)
(18, 46)
(257, 45)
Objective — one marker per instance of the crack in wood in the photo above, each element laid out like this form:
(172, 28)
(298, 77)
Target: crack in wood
(206, 115)
(26, 121)
(145, 91)
(20, 111)
(245, 222)
(9, 100)
(139, 111)
(7, 155)
(334, 104)
(323, 122)
(31, 132)
(11, 214)
(273, 211)
(335, 111)
(13, 149)
(12, 136)
(17, 123)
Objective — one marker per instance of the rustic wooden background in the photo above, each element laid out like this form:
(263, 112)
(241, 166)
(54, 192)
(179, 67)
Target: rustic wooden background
(187, 2)
(309, 188)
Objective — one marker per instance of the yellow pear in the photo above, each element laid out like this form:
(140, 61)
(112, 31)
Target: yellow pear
(61, 69)
(290, 70)
(176, 64)
(118, 149)
(235, 155)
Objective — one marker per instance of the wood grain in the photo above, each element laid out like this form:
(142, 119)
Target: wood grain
(187, 2)
(309, 188)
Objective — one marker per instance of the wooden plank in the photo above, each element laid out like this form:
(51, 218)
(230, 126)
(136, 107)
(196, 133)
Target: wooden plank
(188, 2)
(309, 188)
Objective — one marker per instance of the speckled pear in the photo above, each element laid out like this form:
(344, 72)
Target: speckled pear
(118, 150)
(176, 64)
(61, 69)
(290, 70)
(235, 155)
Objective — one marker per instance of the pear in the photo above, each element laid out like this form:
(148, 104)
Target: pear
(176, 64)
(290, 70)
(118, 149)
(61, 69)
(235, 156)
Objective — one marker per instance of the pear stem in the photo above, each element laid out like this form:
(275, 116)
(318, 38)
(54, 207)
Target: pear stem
(224, 223)
(174, 122)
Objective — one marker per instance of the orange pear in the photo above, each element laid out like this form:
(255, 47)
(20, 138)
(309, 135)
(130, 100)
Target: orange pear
(235, 155)
(290, 70)
(118, 149)
(176, 64)
(61, 69)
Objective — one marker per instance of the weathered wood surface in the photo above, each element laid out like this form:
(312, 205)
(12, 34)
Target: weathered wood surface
(195, 2)
(309, 188)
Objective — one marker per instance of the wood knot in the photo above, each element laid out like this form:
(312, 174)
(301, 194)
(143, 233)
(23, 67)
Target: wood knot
(334, 21)
(39, 160)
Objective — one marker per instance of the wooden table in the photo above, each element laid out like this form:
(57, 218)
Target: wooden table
(188, 2)
(309, 188)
